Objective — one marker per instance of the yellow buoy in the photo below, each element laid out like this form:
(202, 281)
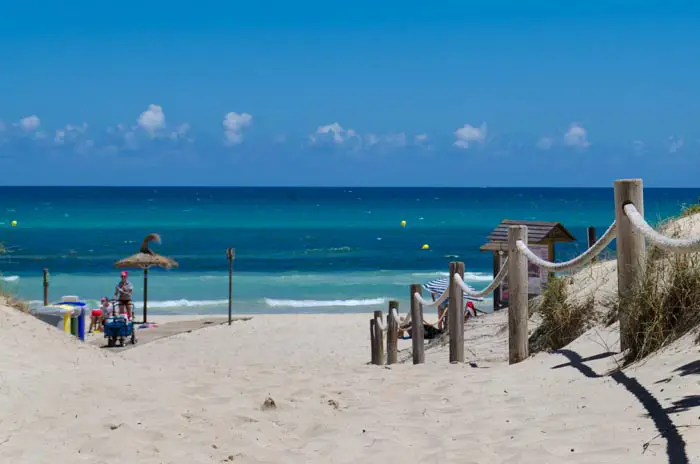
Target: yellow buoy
(13, 223)
(403, 223)
(425, 247)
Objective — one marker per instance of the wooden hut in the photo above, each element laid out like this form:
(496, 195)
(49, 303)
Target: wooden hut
(541, 237)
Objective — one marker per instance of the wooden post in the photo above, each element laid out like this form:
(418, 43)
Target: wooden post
(417, 333)
(631, 247)
(145, 297)
(373, 340)
(455, 315)
(46, 287)
(392, 334)
(230, 255)
(379, 338)
(517, 296)
(591, 240)
(497, 291)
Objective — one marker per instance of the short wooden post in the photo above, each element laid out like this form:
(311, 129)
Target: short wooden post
(417, 330)
(455, 315)
(379, 337)
(517, 296)
(230, 255)
(591, 240)
(373, 341)
(46, 287)
(631, 247)
(392, 334)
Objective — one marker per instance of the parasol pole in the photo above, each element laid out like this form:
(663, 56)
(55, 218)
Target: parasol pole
(145, 294)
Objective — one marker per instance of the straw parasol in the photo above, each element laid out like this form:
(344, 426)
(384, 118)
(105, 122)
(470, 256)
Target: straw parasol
(145, 259)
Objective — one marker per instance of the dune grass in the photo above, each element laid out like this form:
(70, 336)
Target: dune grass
(691, 210)
(562, 319)
(665, 304)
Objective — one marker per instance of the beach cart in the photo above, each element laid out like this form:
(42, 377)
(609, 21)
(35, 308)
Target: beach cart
(118, 329)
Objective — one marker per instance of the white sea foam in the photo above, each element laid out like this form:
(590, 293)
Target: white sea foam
(322, 303)
(181, 303)
(468, 276)
(11, 278)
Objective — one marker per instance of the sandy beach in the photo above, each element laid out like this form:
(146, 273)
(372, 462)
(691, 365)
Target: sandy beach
(198, 397)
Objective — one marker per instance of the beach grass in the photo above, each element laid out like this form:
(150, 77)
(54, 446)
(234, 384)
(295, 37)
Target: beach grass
(664, 305)
(690, 210)
(563, 319)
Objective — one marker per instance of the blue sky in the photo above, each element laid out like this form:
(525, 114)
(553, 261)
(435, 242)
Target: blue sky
(364, 93)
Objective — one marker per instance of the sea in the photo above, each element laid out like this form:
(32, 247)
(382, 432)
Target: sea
(297, 250)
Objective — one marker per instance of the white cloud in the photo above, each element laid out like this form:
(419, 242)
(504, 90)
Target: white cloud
(576, 136)
(420, 138)
(469, 134)
(234, 123)
(674, 144)
(180, 132)
(152, 120)
(388, 140)
(70, 133)
(60, 137)
(545, 143)
(335, 130)
(30, 123)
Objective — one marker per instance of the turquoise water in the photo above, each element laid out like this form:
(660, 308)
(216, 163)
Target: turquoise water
(297, 249)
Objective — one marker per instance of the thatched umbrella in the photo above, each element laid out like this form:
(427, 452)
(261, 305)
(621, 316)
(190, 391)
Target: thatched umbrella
(145, 259)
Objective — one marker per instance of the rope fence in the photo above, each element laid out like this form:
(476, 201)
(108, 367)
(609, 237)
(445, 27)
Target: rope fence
(630, 230)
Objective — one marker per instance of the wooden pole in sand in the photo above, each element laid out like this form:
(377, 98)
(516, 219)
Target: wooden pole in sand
(517, 296)
(46, 287)
(591, 240)
(455, 315)
(417, 330)
(631, 247)
(373, 341)
(230, 255)
(145, 296)
(392, 333)
(379, 338)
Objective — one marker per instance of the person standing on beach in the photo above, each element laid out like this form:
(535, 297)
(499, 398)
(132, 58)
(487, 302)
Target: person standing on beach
(123, 293)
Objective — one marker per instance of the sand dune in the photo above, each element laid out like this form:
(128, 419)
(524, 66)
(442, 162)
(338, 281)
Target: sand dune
(197, 397)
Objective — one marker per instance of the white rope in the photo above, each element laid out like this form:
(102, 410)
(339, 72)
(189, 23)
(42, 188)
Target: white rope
(381, 325)
(678, 245)
(429, 304)
(578, 261)
(502, 273)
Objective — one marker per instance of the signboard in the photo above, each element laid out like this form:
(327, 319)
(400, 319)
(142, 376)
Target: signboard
(537, 277)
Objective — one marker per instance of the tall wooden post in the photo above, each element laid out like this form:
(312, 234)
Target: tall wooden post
(145, 297)
(392, 334)
(230, 255)
(631, 247)
(373, 340)
(46, 287)
(455, 315)
(517, 296)
(591, 240)
(417, 330)
(379, 338)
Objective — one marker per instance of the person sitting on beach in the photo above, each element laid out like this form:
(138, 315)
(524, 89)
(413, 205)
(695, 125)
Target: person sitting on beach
(123, 293)
(97, 316)
(469, 311)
